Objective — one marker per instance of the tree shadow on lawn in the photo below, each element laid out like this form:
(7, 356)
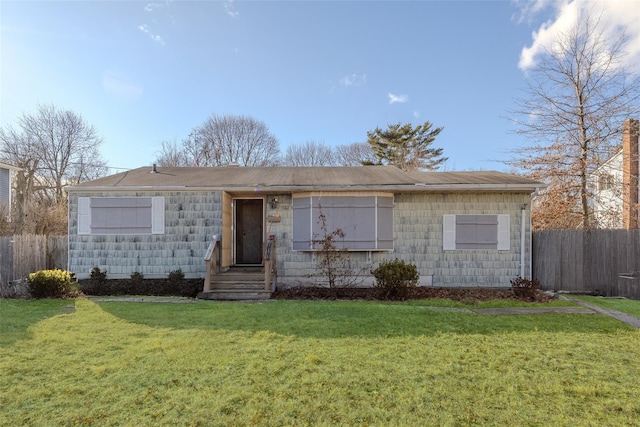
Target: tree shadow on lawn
(17, 316)
(318, 319)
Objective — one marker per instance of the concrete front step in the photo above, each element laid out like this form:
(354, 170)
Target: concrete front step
(235, 294)
(232, 284)
(236, 277)
(237, 283)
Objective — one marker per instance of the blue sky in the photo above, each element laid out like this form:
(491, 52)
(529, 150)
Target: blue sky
(145, 72)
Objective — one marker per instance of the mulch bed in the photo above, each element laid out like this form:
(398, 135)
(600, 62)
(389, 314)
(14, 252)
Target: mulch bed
(467, 295)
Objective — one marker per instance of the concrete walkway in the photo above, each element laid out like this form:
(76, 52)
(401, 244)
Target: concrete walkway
(535, 310)
(145, 299)
(623, 317)
(585, 308)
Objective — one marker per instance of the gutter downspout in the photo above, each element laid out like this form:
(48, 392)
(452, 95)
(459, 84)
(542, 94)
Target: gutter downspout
(533, 196)
(530, 248)
(522, 238)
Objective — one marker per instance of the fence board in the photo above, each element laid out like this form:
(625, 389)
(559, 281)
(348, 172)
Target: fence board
(29, 254)
(24, 254)
(588, 261)
(6, 259)
(58, 252)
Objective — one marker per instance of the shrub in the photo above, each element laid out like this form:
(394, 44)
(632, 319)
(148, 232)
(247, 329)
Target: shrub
(137, 277)
(98, 275)
(525, 288)
(394, 279)
(51, 284)
(176, 276)
(160, 287)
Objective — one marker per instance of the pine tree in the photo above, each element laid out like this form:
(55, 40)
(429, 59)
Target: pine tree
(406, 147)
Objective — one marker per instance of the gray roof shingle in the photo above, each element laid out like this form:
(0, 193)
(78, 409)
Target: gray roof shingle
(296, 179)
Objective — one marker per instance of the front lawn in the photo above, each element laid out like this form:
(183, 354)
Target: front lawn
(313, 363)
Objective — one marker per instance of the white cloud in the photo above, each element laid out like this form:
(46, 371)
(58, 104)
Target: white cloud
(530, 8)
(156, 38)
(150, 7)
(117, 83)
(617, 16)
(416, 114)
(353, 80)
(399, 99)
(231, 10)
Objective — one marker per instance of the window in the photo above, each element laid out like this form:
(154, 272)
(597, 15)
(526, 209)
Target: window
(120, 215)
(606, 181)
(5, 190)
(476, 232)
(366, 220)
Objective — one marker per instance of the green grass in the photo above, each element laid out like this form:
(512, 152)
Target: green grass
(628, 306)
(498, 303)
(16, 316)
(323, 319)
(314, 363)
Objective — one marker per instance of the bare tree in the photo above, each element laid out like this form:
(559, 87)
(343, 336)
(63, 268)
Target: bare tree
(237, 139)
(172, 155)
(53, 148)
(223, 140)
(356, 154)
(311, 153)
(578, 95)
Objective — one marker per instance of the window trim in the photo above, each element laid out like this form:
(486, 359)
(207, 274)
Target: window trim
(304, 220)
(156, 216)
(503, 232)
(606, 181)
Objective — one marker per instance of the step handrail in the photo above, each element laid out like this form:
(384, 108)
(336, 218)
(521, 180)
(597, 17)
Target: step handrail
(211, 258)
(270, 272)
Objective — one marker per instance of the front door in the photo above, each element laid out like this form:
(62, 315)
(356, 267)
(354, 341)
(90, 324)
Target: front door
(249, 231)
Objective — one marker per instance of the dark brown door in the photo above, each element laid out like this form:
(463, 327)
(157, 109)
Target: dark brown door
(249, 231)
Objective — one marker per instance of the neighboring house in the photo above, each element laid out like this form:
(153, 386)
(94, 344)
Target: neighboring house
(615, 184)
(458, 228)
(606, 199)
(6, 179)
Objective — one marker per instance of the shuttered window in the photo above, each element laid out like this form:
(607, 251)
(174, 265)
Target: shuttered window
(476, 232)
(365, 220)
(121, 215)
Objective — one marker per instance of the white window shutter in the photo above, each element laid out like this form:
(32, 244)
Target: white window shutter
(448, 232)
(504, 232)
(84, 215)
(157, 215)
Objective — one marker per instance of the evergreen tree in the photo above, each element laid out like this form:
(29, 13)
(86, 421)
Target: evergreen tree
(406, 147)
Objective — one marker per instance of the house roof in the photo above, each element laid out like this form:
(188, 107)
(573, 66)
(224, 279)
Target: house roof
(6, 166)
(301, 179)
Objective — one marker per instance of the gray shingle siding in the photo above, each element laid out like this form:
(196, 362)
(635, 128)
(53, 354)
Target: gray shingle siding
(191, 220)
(193, 217)
(418, 239)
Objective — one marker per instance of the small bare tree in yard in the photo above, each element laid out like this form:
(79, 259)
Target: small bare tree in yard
(578, 95)
(334, 262)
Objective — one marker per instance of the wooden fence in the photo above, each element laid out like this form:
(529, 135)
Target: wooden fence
(606, 262)
(24, 254)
